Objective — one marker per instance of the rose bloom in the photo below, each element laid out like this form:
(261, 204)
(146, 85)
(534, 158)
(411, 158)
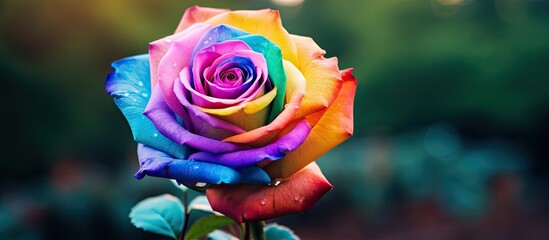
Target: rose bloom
(233, 103)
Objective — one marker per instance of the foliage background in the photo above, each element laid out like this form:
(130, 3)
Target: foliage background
(451, 117)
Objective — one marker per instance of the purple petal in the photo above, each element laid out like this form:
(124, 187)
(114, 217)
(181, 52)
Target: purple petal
(176, 59)
(158, 48)
(202, 123)
(165, 121)
(273, 151)
(209, 86)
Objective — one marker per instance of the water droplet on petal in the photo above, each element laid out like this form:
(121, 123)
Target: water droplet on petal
(296, 107)
(174, 64)
(285, 105)
(206, 41)
(126, 94)
(155, 134)
(140, 83)
(144, 94)
(168, 40)
(263, 202)
(299, 198)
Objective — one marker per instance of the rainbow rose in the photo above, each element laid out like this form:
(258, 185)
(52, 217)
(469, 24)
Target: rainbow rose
(233, 102)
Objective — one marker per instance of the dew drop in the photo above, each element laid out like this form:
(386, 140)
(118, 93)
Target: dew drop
(140, 83)
(126, 94)
(296, 107)
(216, 30)
(174, 64)
(169, 40)
(269, 129)
(144, 94)
(206, 42)
(155, 134)
(285, 105)
(263, 202)
(299, 198)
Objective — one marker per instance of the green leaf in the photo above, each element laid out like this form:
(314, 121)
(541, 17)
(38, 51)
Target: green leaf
(180, 186)
(162, 214)
(221, 235)
(274, 231)
(201, 203)
(206, 225)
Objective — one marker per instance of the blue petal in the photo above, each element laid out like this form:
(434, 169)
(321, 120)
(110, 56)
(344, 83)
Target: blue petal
(130, 85)
(217, 34)
(159, 164)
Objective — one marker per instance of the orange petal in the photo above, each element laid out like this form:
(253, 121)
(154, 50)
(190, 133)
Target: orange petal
(295, 89)
(334, 127)
(323, 76)
(196, 14)
(261, 202)
(265, 22)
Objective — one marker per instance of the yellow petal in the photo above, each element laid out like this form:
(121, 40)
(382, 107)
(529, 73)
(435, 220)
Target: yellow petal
(265, 22)
(247, 116)
(334, 127)
(323, 76)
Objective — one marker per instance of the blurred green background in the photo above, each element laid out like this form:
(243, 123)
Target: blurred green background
(451, 117)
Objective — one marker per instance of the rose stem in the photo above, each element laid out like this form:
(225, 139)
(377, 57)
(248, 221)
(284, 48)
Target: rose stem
(247, 235)
(187, 215)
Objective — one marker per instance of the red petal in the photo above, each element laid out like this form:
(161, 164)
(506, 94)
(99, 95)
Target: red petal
(261, 202)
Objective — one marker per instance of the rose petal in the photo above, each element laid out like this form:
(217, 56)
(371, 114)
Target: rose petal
(264, 22)
(335, 126)
(260, 44)
(261, 202)
(159, 164)
(238, 57)
(158, 48)
(295, 90)
(167, 124)
(172, 63)
(205, 124)
(197, 14)
(273, 56)
(323, 77)
(251, 157)
(129, 84)
(249, 115)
